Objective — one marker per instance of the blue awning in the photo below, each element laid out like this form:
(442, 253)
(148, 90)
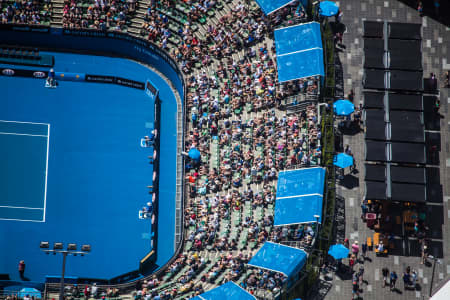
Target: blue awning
(279, 258)
(299, 51)
(270, 6)
(305, 207)
(227, 291)
(299, 197)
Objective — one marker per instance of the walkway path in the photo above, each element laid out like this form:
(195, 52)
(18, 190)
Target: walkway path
(436, 58)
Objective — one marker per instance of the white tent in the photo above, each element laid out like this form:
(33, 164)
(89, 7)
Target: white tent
(443, 293)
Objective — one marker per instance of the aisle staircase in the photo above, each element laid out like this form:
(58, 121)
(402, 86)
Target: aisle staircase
(57, 15)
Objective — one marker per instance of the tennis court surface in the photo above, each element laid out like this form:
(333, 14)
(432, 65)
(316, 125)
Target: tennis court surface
(24, 161)
(73, 170)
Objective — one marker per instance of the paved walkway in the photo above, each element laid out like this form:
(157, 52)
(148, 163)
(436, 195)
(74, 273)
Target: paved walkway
(436, 58)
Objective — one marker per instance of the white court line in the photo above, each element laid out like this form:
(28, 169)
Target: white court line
(300, 51)
(21, 220)
(24, 122)
(299, 196)
(46, 172)
(22, 207)
(25, 134)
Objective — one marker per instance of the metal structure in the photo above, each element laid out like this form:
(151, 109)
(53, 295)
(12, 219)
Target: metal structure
(71, 250)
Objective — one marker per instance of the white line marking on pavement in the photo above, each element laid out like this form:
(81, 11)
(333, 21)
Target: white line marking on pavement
(377, 274)
(441, 276)
(425, 280)
(369, 288)
(352, 201)
(448, 269)
(395, 260)
(417, 294)
(420, 273)
(338, 288)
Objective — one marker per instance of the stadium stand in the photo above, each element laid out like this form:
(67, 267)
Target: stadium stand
(26, 12)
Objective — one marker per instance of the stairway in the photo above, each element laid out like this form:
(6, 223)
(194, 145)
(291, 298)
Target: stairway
(57, 14)
(139, 19)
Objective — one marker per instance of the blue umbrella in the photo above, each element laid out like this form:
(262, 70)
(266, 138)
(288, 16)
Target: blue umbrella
(194, 154)
(328, 8)
(338, 251)
(30, 292)
(343, 160)
(343, 107)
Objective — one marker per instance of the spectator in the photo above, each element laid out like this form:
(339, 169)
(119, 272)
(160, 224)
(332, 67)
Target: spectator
(355, 249)
(385, 272)
(393, 280)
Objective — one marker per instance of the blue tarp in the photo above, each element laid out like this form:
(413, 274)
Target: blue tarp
(299, 196)
(279, 258)
(299, 51)
(269, 6)
(227, 291)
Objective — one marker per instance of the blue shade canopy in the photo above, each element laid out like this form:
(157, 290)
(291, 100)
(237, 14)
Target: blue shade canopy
(270, 6)
(300, 65)
(194, 154)
(299, 51)
(298, 37)
(338, 251)
(343, 107)
(299, 197)
(227, 291)
(279, 258)
(328, 8)
(300, 182)
(297, 210)
(343, 160)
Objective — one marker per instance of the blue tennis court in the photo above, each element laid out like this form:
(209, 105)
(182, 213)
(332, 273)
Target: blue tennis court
(74, 170)
(23, 157)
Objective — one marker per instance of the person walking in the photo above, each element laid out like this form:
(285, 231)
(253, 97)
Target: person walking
(22, 269)
(393, 280)
(346, 243)
(355, 249)
(413, 279)
(361, 275)
(406, 280)
(385, 272)
(364, 251)
(355, 290)
(351, 262)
